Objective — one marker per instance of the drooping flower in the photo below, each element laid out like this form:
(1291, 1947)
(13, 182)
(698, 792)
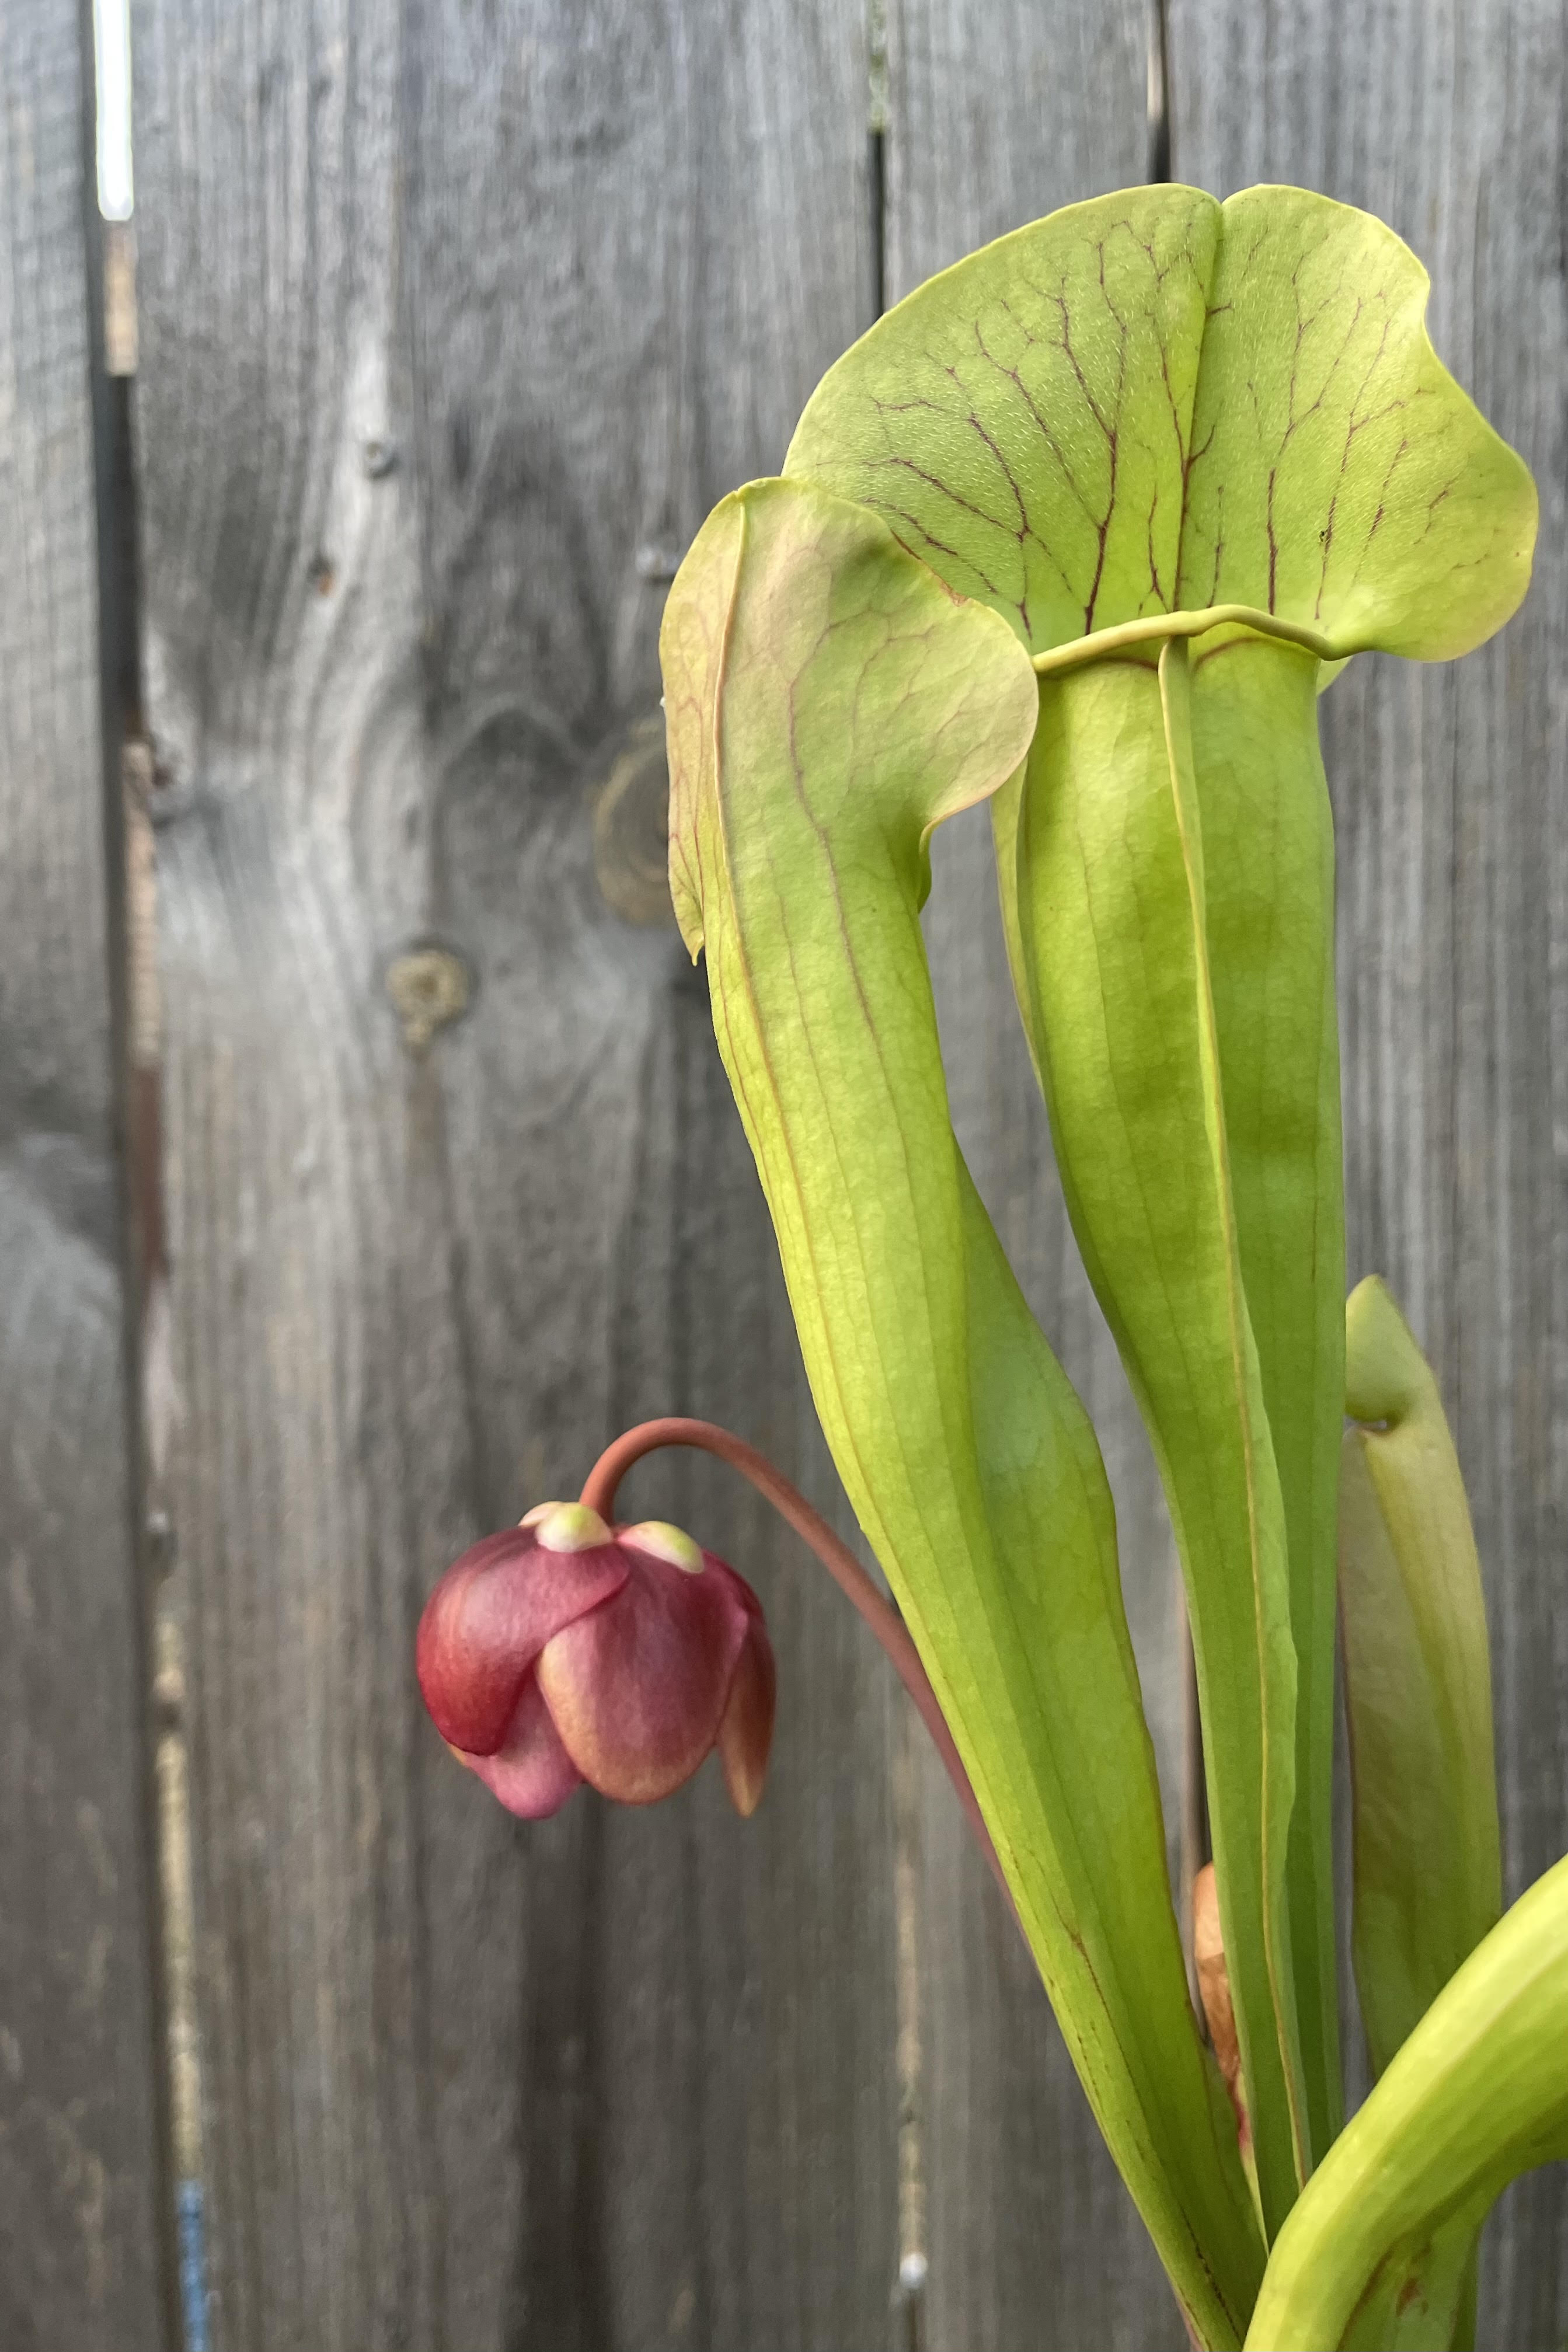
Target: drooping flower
(564, 1650)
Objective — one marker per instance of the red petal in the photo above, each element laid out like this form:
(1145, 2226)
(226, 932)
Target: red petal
(489, 1619)
(531, 1771)
(746, 1729)
(637, 1686)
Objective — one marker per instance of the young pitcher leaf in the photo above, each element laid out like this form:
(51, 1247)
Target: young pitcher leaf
(1429, 1870)
(1417, 1678)
(1106, 426)
(1269, 866)
(829, 701)
(1101, 850)
(1476, 2094)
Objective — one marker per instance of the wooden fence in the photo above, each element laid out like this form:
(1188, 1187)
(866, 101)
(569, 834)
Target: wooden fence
(358, 1184)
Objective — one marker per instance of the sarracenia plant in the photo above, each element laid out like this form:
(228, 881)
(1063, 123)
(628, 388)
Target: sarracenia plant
(1083, 527)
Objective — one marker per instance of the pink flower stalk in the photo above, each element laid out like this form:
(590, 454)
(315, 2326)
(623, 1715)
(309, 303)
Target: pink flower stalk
(564, 1650)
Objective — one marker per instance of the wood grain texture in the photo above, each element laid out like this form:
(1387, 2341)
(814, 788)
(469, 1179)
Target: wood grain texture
(455, 320)
(996, 115)
(79, 2193)
(1451, 797)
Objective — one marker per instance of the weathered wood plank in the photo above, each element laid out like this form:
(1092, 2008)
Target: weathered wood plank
(455, 320)
(1451, 791)
(81, 2195)
(995, 116)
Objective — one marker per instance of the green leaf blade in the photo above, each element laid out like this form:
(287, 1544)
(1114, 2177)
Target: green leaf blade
(968, 1459)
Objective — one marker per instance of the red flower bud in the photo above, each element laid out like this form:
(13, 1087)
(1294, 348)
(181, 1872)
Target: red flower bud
(561, 1650)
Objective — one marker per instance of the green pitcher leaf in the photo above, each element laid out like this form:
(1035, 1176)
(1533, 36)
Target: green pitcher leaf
(1268, 863)
(828, 703)
(1149, 415)
(1102, 850)
(1477, 2094)
(1429, 1870)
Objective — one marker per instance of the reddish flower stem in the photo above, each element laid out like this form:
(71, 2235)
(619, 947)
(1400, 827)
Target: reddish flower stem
(599, 1494)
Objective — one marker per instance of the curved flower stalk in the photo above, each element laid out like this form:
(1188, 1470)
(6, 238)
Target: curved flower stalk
(862, 1594)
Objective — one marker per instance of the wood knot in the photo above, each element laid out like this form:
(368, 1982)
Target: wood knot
(428, 986)
(631, 827)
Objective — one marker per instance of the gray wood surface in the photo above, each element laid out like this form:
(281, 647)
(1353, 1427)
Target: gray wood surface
(81, 2205)
(996, 115)
(1451, 797)
(454, 322)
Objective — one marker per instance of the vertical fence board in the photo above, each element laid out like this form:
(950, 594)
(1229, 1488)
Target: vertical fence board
(79, 2195)
(455, 323)
(996, 115)
(455, 320)
(1451, 791)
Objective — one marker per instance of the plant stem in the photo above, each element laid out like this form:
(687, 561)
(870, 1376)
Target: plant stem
(599, 1494)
